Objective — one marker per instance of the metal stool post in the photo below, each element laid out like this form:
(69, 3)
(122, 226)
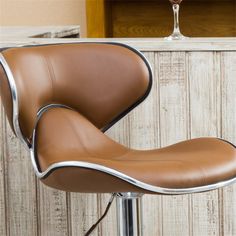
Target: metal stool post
(129, 214)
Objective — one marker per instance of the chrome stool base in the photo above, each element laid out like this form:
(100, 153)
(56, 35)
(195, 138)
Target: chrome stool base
(129, 214)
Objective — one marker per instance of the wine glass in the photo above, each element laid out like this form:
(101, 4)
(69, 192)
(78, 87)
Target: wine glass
(176, 35)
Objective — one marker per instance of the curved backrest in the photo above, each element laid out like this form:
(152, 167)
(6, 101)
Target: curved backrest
(102, 81)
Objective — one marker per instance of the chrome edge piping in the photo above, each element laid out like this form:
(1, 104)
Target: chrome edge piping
(32, 148)
(133, 181)
(15, 103)
(47, 107)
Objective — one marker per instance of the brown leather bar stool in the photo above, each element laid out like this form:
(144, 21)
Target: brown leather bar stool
(60, 99)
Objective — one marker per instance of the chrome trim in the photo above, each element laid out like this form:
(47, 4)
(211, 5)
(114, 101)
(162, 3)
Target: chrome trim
(133, 181)
(32, 148)
(47, 107)
(129, 195)
(15, 102)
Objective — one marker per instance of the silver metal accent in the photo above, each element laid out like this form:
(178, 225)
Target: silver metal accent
(32, 149)
(129, 214)
(129, 195)
(15, 102)
(133, 181)
(47, 107)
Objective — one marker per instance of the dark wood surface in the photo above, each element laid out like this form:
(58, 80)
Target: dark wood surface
(140, 18)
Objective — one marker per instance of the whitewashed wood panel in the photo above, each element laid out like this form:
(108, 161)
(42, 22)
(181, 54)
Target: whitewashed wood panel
(3, 203)
(53, 212)
(173, 128)
(21, 190)
(84, 213)
(204, 84)
(228, 80)
(193, 95)
(111, 218)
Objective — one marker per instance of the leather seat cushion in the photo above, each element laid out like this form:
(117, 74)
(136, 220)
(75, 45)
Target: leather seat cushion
(65, 135)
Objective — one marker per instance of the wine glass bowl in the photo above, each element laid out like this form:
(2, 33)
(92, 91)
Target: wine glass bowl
(176, 34)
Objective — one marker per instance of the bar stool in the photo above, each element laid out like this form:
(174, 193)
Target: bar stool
(61, 98)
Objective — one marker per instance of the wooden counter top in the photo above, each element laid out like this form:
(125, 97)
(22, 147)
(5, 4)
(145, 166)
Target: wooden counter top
(144, 44)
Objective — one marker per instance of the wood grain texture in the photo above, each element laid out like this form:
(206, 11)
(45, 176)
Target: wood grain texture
(152, 205)
(228, 75)
(53, 212)
(98, 18)
(204, 84)
(4, 223)
(173, 128)
(21, 191)
(84, 213)
(143, 44)
(142, 18)
(193, 95)
(144, 134)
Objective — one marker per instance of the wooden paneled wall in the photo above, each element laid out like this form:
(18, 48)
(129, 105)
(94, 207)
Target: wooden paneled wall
(193, 95)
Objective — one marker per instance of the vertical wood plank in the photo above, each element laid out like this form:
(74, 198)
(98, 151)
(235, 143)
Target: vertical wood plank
(21, 191)
(53, 212)
(98, 18)
(204, 83)
(228, 68)
(143, 120)
(173, 128)
(84, 213)
(3, 224)
(152, 204)
(109, 224)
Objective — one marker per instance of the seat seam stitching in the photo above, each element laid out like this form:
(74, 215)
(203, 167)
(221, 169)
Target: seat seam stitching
(51, 73)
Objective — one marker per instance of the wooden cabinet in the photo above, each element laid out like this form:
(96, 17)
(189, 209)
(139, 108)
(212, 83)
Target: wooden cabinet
(141, 18)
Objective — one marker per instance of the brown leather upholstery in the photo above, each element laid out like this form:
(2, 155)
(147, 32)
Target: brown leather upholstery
(100, 82)
(191, 163)
(95, 79)
(6, 95)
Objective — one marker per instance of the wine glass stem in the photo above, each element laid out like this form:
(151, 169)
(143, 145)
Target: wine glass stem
(176, 18)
